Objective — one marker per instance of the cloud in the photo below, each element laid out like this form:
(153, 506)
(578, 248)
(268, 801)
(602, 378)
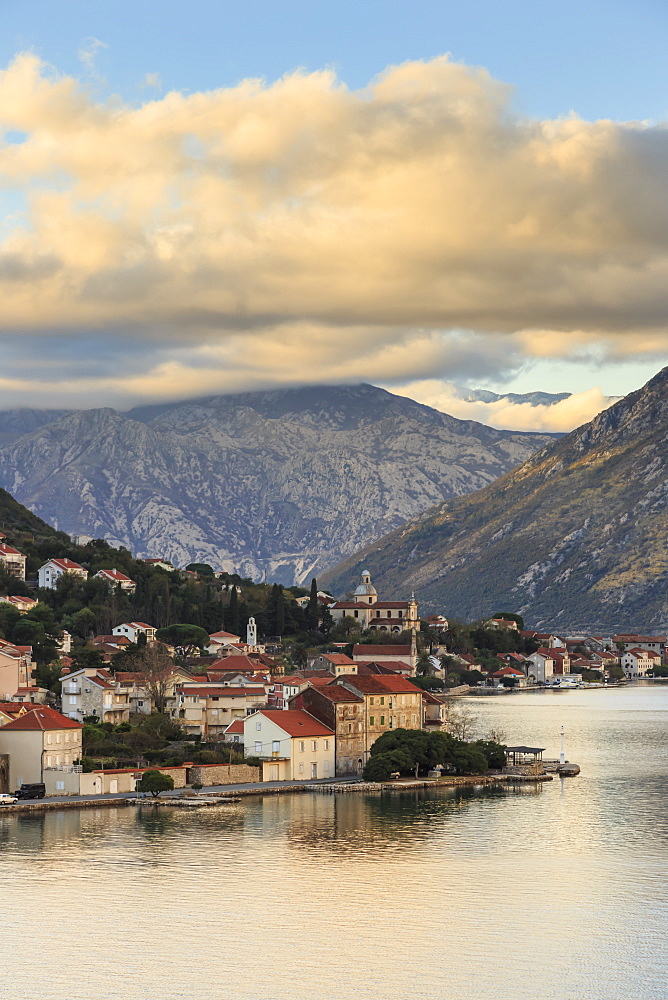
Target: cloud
(88, 52)
(561, 416)
(303, 232)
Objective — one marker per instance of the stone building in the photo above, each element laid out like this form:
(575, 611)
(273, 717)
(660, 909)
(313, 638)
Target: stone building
(343, 712)
(370, 613)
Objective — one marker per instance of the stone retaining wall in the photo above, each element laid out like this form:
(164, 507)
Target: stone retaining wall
(222, 774)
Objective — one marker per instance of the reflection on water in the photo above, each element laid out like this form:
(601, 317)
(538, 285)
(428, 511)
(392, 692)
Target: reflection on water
(551, 891)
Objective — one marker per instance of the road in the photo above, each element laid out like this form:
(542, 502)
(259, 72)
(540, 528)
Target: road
(256, 786)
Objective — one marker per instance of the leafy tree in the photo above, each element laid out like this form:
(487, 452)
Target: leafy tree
(493, 751)
(510, 616)
(202, 569)
(471, 677)
(156, 669)
(185, 638)
(156, 782)
(87, 656)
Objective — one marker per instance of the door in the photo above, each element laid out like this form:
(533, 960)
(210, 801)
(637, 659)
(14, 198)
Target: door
(273, 772)
(113, 786)
(314, 770)
(97, 786)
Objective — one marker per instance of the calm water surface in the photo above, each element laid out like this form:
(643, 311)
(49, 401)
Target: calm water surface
(557, 892)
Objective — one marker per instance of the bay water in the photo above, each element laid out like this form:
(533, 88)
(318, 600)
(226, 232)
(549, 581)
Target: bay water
(548, 892)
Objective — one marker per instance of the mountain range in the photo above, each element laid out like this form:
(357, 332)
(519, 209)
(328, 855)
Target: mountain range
(274, 485)
(574, 538)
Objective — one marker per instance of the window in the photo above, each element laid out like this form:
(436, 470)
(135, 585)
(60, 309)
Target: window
(326, 744)
(371, 720)
(49, 738)
(73, 699)
(301, 768)
(258, 747)
(371, 701)
(382, 701)
(314, 744)
(350, 727)
(275, 746)
(382, 720)
(60, 786)
(301, 746)
(258, 725)
(58, 737)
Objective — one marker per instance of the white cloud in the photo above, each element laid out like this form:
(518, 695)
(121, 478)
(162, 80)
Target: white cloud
(88, 52)
(302, 232)
(561, 416)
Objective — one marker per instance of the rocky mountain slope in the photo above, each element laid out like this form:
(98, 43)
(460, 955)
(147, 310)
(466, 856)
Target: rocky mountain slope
(573, 538)
(271, 484)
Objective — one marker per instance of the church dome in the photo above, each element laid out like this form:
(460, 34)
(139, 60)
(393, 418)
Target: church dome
(366, 588)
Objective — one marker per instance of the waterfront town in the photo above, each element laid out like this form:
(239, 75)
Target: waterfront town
(205, 708)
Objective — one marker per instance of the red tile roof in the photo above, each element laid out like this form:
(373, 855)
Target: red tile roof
(236, 727)
(383, 684)
(337, 693)
(66, 564)
(115, 574)
(240, 664)
(41, 718)
(294, 722)
(339, 658)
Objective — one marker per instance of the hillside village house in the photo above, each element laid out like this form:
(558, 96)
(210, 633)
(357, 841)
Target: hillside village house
(334, 663)
(131, 631)
(15, 669)
(13, 562)
(93, 692)
(38, 740)
(160, 563)
(117, 579)
(638, 662)
(370, 613)
(218, 640)
(208, 709)
(293, 745)
(22, 604)
(50, 573)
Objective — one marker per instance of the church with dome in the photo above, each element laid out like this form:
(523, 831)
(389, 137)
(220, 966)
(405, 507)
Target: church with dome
(382, 616)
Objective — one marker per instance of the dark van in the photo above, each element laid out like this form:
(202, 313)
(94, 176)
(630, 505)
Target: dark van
(37, 790)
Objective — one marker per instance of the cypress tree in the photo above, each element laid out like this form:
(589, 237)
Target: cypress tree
(280, 611)
(313, 607)
(233, 612)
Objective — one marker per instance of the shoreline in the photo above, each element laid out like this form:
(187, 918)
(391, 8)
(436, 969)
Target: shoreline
(336, 786)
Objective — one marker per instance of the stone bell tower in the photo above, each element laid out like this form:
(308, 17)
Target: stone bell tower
(251, 632)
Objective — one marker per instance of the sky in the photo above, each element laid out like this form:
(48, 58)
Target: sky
(217, 197)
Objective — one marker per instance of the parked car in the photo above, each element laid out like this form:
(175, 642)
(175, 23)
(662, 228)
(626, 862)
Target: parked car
(36, 790)
(6, 799)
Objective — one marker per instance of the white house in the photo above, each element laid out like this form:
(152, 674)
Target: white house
(131, 630)
(637, 662)
(293, 745)
(117, 579)
(542, 666)
(50, 573)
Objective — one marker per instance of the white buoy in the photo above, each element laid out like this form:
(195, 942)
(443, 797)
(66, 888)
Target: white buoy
(562, 755)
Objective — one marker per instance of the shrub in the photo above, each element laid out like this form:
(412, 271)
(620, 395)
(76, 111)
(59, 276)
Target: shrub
(156, 782)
